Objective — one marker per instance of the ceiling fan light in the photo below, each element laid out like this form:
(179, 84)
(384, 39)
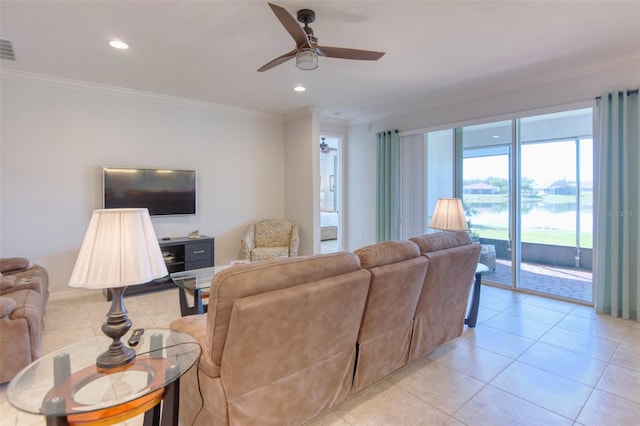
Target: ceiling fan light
(307, 59)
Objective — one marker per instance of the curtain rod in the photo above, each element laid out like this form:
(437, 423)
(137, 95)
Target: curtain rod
(629, 93)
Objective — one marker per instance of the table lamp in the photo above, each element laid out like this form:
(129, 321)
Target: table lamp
(119, 249)
(449, 215)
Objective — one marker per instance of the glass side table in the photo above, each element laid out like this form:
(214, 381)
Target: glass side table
(472, 317)
(195, 282)
(67, 387)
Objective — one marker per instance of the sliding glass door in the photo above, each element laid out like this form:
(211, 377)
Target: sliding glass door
(556, 187)
(486, 194)
(528, 193)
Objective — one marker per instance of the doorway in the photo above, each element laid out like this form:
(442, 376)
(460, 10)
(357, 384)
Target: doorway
(330, 185)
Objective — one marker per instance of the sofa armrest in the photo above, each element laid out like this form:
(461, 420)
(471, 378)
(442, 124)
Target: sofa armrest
(24, 284)
(11, 265)
(294, 242)
(248, 242)
(7, 305)
(6, 283)
(196, 326)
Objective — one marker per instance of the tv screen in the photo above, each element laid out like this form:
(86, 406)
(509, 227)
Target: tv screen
(162, 191)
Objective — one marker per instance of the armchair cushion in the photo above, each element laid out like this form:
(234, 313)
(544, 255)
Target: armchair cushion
(264, 253)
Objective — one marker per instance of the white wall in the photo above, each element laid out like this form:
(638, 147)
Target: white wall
(56, 135)
(362, 135)
(302, 201)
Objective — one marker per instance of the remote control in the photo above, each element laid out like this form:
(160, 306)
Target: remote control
(135, 337)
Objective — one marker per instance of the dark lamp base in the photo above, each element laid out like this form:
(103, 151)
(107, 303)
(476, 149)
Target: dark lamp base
(115, 327)
(112, 359)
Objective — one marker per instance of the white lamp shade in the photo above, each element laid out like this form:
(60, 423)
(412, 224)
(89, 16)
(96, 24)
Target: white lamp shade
(449, 215)
(119, 249)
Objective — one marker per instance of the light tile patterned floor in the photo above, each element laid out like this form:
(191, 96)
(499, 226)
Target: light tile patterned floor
(530, 361)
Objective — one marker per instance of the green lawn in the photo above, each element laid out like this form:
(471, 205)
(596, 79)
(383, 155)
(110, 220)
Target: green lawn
(558, 238)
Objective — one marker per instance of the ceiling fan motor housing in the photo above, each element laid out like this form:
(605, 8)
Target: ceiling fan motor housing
(306, 16)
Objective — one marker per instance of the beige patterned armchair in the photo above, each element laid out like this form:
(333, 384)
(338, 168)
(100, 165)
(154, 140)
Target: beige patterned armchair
(270, 238)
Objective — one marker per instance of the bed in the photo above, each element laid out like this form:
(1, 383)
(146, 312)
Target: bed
(328, 226)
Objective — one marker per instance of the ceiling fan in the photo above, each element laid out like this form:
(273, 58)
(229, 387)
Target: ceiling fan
(307, 48)
(325, 148)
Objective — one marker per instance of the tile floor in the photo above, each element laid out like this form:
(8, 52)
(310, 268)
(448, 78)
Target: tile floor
(530, 361)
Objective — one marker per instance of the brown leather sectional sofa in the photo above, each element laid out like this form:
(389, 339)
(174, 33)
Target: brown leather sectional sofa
(285, 340)
(24, 291)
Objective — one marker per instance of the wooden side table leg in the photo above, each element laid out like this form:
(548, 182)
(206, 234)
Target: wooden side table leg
(472, 317)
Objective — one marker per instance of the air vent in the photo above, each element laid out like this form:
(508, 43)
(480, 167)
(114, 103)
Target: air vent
(6, 50)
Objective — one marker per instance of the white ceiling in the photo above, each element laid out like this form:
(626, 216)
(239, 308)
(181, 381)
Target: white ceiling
(210, 50)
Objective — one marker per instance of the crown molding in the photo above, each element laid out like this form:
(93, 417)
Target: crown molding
(496, 90)
(333, 121)
(87, 86)
(302, 112)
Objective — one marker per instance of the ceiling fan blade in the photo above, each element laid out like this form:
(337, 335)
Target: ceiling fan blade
(278, 60)
(342, 53)
(291, 25)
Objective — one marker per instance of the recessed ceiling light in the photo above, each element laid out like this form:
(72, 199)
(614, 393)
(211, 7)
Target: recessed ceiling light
(496, 136)
(299, 88)
(117, 44)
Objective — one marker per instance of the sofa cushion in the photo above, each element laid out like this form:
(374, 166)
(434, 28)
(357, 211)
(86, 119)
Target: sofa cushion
(441, 241)
(7, 305)
(8, 264)
(442, 305)
(262, 277)
(386, 253)
(297, 343)
(397, 276)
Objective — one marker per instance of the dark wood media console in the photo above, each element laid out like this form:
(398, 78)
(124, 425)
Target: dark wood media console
(185, 254)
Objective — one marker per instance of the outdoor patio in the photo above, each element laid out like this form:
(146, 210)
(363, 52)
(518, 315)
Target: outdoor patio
(569, 283)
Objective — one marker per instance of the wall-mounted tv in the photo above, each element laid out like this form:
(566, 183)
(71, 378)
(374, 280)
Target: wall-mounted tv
(162, 191)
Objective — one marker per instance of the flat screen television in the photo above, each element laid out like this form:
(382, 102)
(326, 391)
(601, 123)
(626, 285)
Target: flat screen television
(162, 191)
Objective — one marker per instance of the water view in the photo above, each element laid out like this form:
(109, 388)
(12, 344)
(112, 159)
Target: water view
(546, 220)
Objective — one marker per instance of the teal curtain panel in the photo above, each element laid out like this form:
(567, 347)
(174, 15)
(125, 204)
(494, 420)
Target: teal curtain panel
(388, 186)
(618, 205)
